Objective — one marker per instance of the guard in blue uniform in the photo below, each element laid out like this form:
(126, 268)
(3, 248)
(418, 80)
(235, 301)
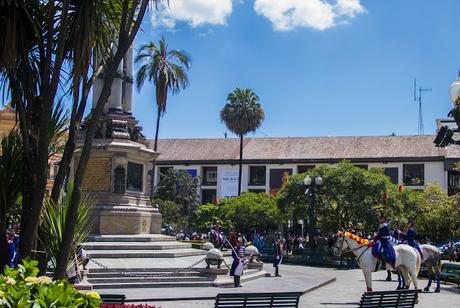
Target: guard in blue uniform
(238, 253)
(277, 256)
(382, 247)
(411, 236)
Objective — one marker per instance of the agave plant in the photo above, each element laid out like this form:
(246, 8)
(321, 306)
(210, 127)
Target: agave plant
(53, 224)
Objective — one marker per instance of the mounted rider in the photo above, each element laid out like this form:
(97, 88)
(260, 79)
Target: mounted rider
(381, 247)
(411, 236)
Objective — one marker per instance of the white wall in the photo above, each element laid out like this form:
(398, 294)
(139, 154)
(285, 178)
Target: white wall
(434, 172)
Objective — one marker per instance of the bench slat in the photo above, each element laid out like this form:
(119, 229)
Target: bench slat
(258, 300)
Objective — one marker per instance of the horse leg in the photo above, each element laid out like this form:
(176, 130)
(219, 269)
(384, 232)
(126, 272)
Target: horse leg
(438, 281)
(430, 276)
(413, 274)
(388, 275)
(368, 278)
(406, 278)
(400, 280)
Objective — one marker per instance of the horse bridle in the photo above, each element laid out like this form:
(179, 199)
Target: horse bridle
(351, 250)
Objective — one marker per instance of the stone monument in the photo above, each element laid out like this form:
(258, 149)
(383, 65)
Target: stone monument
(117, 174)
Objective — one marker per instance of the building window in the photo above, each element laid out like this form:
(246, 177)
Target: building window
(257, 175)
(257, 191)
(209, 176)
(453, 186)
(120, 179)
(208, 196)
(303, 169)
(414, 175)
(392, 173)
(193, 172)
(277, 178)
(365, 167)
(135, 176)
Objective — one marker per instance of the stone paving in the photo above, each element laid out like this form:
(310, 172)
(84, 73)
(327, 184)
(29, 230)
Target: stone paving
(344, 292)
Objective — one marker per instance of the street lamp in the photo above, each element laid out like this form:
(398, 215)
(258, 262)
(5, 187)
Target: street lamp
(310, 192)
(445, 135)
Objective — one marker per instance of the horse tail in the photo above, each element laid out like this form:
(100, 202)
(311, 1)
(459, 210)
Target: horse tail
(418, 263)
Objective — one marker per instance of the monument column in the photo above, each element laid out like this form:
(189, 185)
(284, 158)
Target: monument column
(128, 80)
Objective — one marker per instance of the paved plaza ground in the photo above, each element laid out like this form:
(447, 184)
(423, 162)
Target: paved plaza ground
(324, 287)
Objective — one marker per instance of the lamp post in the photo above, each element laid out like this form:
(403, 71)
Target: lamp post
(310, 192)
(445, 135)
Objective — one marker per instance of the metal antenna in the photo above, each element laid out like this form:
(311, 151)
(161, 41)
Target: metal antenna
(421, 128)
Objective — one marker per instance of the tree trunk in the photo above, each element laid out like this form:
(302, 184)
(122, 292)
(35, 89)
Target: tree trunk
(240, 173)
(155, 147)
(71, 220)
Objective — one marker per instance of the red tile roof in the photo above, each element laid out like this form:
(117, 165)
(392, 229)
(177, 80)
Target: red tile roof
(303, 148)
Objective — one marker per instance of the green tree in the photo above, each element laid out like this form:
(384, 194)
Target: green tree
(206, 214)
(172, 213)
(349, 195)
(168, 71)
(181, 188)
(242, 114)
(51, 45)
(251, 210)
(433, 213)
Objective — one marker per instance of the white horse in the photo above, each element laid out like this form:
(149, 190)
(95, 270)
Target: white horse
(407, 262)
(431, 259)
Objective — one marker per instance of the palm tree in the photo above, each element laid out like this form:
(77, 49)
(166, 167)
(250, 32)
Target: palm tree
(168, 70)
(242, 114)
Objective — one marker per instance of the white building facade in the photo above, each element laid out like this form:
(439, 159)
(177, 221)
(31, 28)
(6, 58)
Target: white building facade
(412, 161)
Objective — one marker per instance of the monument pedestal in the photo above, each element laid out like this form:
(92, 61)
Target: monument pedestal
(118, 177)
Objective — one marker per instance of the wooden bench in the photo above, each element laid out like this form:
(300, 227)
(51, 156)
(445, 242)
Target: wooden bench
(113, 298)
(388, 299)
(259, 300)
(450, 272)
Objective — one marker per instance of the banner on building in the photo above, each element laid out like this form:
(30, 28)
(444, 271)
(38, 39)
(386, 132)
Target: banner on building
(229, 183)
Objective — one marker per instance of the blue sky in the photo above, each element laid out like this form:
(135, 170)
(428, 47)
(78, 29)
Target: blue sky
(320, 67)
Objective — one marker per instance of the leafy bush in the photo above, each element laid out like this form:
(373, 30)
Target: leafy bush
(53, 224)
(243, 212)
(21, 287)
(172, 213)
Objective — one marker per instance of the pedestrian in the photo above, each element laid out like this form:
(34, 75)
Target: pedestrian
(277, 256)
(238, 253)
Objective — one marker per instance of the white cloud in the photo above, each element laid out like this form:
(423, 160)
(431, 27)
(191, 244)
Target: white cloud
(317, 14)
(193, 12)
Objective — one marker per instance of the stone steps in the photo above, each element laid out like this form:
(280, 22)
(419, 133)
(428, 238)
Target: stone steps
(132, 238)
(137, 285)
(141, 253)
(151, 261)
(160, 279)
(134, 245)
(112, 273)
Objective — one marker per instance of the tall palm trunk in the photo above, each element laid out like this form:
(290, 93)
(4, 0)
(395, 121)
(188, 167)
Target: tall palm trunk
(241, 165)
(155, 147)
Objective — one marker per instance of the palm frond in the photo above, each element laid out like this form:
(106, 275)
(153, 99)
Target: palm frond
(243, 112)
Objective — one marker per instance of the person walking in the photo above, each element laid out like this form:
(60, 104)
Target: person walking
(238, 253)
(277, 256)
